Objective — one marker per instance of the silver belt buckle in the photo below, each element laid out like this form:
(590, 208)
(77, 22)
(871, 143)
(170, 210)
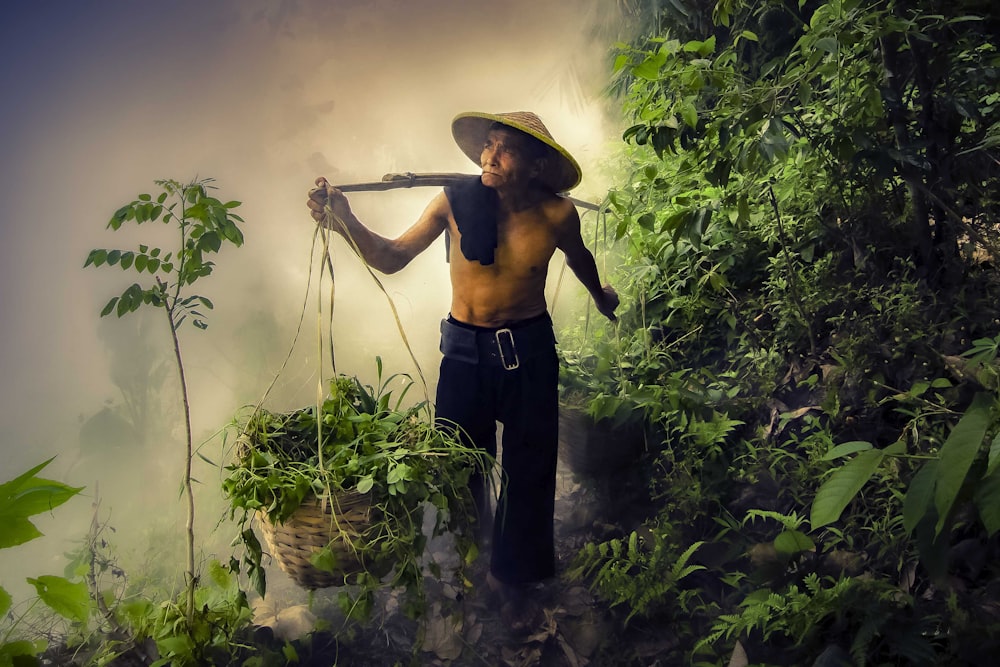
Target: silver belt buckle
(508, 365)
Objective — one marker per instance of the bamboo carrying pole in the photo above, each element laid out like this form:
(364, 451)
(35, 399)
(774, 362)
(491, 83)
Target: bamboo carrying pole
(411, 180)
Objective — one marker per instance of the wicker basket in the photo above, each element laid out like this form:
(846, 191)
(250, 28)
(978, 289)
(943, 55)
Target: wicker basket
(310, 529)
(597, 448)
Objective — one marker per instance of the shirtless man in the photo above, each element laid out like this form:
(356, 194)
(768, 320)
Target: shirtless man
(499, 361)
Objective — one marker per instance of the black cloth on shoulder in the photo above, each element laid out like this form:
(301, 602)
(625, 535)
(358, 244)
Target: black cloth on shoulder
(474, 206)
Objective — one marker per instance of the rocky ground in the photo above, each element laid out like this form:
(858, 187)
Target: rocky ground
(570, 628)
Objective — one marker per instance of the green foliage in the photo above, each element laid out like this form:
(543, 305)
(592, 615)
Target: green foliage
(68, 598)
(371, 445)
(801, 615)
(846, 482)
(21, 652)
(791, 541)
(25, 496)
(205, 224)
(209, 637)
(784, 90)
(957, 454)
(937, 486)
(21, 498)
(612, 378)
(808, 197)
(644, 574)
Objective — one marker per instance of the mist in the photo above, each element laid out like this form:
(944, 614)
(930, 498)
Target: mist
(102, 98)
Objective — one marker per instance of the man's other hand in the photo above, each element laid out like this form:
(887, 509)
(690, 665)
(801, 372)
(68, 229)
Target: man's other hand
(607, 302)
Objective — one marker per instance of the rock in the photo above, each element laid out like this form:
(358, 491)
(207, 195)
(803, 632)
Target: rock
(585, 633)
(833, 656)
(442, 634)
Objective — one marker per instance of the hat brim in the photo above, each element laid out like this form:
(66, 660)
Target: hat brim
(470, 130)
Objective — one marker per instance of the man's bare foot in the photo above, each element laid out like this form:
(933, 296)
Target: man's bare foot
(520, 610)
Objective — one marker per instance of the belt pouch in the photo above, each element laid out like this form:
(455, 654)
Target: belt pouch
(459, 343)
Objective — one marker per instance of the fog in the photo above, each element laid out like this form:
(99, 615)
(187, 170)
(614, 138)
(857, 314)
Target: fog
(102, 98)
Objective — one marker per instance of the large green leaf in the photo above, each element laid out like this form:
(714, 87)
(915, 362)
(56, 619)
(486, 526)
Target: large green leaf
(10, 486)
(649, 68)
(920, 496)
(827, 44)
(791, 542)
(837, 491)
(5, 602)
(987, 499)
(958, 453)
(21, 652)
(65, 597)
(846, 449)
(25, 496)
(16, 530)
(96, 257)
(35, 496)
(994, 456)
(174, 645)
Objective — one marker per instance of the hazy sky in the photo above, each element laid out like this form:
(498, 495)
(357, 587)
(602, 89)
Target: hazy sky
(102, 97)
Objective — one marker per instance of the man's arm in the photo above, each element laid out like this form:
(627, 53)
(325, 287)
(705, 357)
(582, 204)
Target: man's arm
(581, 263)
(380, 253)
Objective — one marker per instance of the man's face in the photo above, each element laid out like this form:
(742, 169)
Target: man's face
(506, 160)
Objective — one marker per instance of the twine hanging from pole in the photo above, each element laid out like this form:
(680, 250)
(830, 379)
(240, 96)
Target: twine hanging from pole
(329, 220)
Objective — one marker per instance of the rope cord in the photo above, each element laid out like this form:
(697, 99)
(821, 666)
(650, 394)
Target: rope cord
(330, 218)
(291, 348)
(324, 262)
(298, 330)
(602, 224)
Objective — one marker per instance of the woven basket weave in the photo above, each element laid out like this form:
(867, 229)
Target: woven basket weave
(310, 529)
(596, 448)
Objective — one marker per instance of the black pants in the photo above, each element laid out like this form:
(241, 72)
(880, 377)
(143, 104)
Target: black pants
(475, 390)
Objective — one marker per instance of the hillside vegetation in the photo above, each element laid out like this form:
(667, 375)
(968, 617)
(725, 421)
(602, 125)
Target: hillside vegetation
(808, 236)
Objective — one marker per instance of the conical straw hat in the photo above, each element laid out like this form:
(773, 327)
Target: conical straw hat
(470, 130)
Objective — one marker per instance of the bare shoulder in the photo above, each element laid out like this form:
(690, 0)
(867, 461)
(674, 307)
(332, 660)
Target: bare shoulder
(561, 216)
(439, 206)
(428, 227)
(560, 209)
(437, 213)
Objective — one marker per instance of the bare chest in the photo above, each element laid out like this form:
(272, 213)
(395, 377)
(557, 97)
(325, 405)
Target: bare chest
(524, 244)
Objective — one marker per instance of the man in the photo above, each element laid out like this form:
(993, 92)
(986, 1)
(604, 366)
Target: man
(499, 360)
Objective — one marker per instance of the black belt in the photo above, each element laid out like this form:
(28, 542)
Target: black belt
(505, 346)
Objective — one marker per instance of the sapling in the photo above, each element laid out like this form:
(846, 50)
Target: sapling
(203, 224)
